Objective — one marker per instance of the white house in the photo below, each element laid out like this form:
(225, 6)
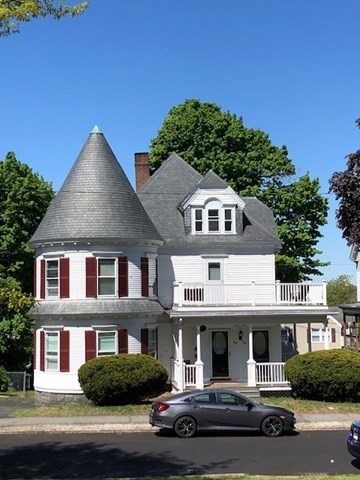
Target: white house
(184, 270)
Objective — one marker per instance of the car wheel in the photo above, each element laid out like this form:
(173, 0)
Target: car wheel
(272, 426)
(185, 427)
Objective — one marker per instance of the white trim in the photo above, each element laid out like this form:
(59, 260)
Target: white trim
(52, 256)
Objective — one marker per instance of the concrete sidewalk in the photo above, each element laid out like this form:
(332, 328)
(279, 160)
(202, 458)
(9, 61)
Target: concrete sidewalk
(140, 423)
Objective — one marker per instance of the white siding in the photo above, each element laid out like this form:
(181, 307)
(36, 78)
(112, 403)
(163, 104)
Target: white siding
(165, 345)
(250, 268)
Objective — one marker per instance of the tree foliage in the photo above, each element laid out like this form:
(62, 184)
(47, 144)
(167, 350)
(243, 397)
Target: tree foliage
(340, 290)
(208, 138)
(24, 199)
(345, 185)
(16, 328)
(12, 12)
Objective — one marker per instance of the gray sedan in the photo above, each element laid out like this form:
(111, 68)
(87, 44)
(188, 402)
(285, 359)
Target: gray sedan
(212, 409)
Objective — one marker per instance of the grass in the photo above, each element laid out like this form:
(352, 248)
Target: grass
(70, 410)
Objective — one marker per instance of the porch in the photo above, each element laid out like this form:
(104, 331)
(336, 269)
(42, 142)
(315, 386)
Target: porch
(252, 293)
(267, 375)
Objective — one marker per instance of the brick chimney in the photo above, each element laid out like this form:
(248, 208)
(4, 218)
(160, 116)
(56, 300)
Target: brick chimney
(142, 169)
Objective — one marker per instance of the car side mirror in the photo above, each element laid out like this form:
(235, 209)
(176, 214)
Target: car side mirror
(249, 405)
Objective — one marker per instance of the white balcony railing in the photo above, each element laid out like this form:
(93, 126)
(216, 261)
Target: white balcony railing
(200, 294)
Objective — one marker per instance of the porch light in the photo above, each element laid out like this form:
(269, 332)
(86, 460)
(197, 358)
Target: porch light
(202, 328)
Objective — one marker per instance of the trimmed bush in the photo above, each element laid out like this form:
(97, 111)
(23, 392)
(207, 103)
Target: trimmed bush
(122, 379)
(4, 380)
(327, 375)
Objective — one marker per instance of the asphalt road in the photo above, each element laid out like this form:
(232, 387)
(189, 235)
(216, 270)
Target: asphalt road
(100, 456)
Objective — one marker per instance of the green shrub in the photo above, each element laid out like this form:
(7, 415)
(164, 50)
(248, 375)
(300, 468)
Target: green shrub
(4, 380)
(122, 379)
(327, 375)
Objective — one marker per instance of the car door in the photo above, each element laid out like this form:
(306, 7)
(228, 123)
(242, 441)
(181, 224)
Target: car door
(235, 411)
(205, 410)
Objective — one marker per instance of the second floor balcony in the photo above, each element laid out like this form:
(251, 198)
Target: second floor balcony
(252, 293)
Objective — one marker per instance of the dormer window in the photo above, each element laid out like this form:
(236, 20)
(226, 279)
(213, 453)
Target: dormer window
(210, 220)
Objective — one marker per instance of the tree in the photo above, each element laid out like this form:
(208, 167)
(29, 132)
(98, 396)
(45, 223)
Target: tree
(208, 138)
(16, 328)
(24, 199)
(340, 290)
(345, 185)
(12, 12)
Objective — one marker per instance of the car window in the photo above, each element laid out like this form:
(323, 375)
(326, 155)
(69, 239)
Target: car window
(205, 398)
(231, 399)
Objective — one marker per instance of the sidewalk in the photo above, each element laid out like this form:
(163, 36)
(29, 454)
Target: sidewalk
(140, 423)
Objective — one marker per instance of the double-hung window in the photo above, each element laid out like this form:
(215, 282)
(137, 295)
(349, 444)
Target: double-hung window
(152, 342)
(106, 343)
(52, 351)
(318, 335)
(213, 220)
(106, 276)
(52, 278)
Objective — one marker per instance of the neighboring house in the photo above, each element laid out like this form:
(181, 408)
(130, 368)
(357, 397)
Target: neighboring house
(351, 312)
(183, 271)
(303, 338)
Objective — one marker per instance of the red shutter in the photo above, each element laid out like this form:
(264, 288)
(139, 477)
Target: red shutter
(34, 351)
(64, 277)
(64, 351)
(333, 335)
(145, 341)
(91, 277)
(34, 279)
(123, 341)
(144, 277)
(90, 344)
(42, 351)
(42, 278)
(123, 277)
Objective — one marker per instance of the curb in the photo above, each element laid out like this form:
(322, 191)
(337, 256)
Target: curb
(120, 428)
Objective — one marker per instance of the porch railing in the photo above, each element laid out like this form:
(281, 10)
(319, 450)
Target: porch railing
(270, 373)
(253, 293)
(188, 374)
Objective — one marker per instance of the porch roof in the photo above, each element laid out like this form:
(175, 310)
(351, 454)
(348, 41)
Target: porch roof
(95, 307)
(296, 314)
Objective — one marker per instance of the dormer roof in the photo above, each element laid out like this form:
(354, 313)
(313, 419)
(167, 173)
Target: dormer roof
(96, 203)
(175, 184)
(212, 181)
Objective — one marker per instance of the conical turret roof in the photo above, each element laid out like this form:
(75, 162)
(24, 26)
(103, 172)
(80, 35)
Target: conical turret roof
(96, 202)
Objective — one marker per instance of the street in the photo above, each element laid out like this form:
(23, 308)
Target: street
(99, 456)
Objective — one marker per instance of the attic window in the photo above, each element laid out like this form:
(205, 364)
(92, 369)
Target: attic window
(210, 220)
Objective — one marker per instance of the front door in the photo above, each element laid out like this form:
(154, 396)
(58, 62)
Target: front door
(261, 346)
(220, 353)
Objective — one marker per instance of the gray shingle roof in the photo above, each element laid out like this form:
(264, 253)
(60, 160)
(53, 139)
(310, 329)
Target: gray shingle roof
(96, 307)
(173, 182)
(212, 181)
(96, 202)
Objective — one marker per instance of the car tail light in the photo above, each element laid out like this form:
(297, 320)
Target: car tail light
(160, 406)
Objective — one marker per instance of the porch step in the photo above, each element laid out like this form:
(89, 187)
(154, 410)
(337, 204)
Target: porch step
(251, 392)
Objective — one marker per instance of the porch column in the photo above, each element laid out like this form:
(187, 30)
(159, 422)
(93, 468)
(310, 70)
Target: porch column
(326, 333)
(251, 364)
(199, 363)
(181, 356)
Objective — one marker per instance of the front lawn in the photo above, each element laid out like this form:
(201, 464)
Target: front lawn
(66, 410)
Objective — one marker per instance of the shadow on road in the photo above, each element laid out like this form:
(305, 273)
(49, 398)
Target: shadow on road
(92, 461)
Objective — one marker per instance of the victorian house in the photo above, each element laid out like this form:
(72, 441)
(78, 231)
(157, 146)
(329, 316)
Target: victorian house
(183, 270)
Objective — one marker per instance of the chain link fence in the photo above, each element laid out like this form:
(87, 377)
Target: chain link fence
(20, 381)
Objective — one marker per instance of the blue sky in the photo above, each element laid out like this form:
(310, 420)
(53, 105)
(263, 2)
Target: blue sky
(288, 67)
